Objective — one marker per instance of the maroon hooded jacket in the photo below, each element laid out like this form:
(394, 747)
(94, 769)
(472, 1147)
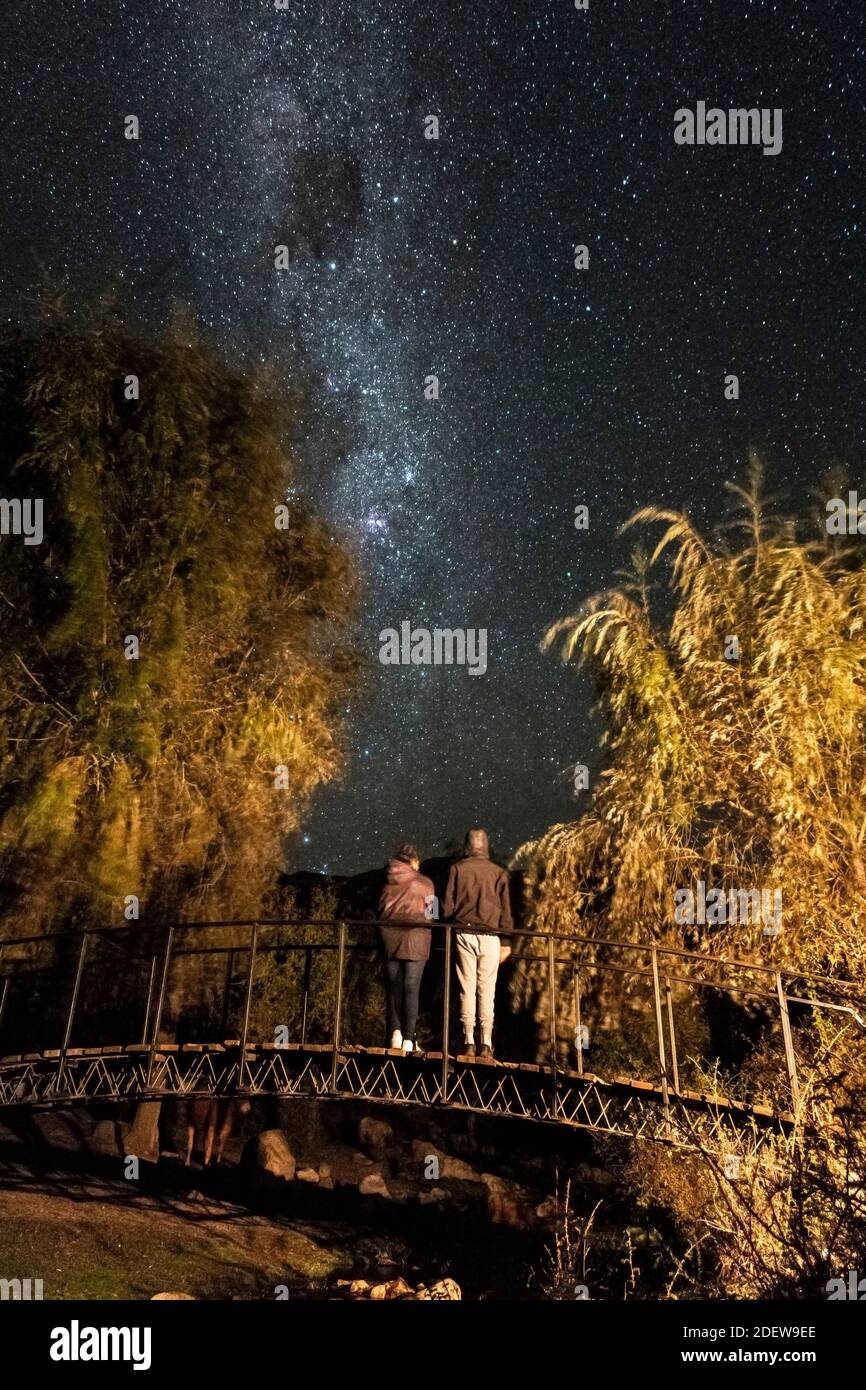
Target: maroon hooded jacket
(402, 903)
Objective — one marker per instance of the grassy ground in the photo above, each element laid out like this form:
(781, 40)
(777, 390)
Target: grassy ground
(100, 1240)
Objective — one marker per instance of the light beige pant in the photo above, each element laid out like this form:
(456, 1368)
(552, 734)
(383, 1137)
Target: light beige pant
(477, 968)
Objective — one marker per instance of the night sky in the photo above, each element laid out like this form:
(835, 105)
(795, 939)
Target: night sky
(455, 257)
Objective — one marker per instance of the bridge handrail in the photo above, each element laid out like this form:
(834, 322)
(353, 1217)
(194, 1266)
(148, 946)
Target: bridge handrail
(787, 973)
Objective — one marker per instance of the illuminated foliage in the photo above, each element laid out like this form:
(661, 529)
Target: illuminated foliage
(745, 772)
(156, 776)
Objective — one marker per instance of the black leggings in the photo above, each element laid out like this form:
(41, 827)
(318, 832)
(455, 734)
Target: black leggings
(404, 983)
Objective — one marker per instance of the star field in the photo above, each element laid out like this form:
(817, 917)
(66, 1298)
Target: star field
(455, 257)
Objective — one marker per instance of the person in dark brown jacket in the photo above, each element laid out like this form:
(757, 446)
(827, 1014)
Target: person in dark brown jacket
(478, 899)
(405, 907)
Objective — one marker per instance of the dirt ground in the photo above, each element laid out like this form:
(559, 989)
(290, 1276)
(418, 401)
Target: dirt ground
(93, 1239)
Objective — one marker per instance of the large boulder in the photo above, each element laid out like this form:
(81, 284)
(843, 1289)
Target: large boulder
(373, 1185)
(509, 1204)
(274, 1158)
(376, 1137)
(108, 1138)
(438, 1166)
(445, 1289)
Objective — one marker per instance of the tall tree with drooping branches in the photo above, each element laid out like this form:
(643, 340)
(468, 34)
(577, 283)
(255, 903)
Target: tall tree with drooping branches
(167, 768)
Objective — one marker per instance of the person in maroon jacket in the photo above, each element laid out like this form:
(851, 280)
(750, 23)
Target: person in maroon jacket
(405, 907)
(477, 898)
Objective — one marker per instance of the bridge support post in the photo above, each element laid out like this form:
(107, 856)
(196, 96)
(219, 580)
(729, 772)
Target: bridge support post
(661, 1040)
(446, 1018)
(4, 996)
(166, 961)
(675, 1070)
(150, 984)
(242, 1064)
(227, 989)
(551, 997)
(73, 1005)
(308, 967)
(790, 1059)
(338, 1004)
(578, 1031)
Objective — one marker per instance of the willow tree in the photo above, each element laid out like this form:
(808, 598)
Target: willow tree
(733, 697)
(175, 651)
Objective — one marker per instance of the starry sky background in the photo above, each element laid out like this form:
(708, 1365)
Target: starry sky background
(455, 256)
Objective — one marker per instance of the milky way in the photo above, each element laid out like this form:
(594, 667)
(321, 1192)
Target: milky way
(455, 257)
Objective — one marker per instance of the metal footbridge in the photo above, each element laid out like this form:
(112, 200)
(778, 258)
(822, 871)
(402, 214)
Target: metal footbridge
(269, 1008)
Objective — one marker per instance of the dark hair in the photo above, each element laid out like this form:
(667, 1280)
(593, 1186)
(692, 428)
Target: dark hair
(407, 852)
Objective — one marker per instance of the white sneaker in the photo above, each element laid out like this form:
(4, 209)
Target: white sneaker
(408, 1045)
(396, 1040)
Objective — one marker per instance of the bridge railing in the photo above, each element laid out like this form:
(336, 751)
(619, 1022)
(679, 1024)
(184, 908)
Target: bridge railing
(147, 982)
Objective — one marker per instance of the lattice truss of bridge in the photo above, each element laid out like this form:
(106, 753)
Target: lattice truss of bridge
(561, 1090)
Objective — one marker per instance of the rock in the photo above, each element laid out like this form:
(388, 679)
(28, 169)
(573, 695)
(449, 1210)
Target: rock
(69, 1130)
(273, 1155)
(444, 1166)
(508, 1204)
(362, 1288)
(373, 1185)
(324, 1170)
(399, 1190)
(375, 1136)
(398, 1288)
(157, 1296)
(395, 1288)
(107, 1138)
(307, 1175)
(445, 1289)
(434, 1196)
(382, 1259)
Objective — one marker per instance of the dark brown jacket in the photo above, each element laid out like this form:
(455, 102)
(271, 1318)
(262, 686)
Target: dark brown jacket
(403, 900)
(477, 895)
